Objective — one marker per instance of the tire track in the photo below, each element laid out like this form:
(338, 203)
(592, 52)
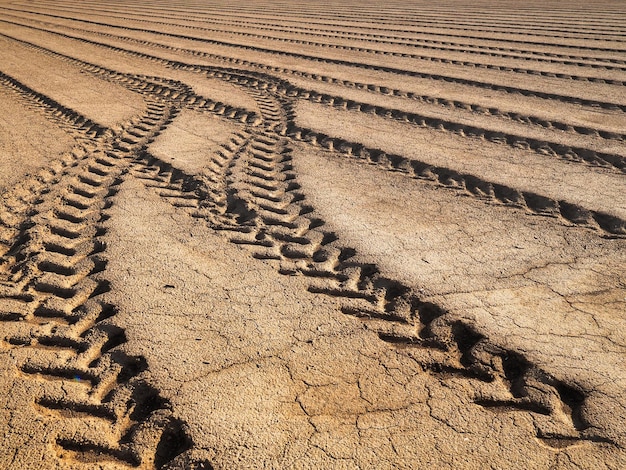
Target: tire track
(555, 15)
(583, 130)
(607, 224)
(570, 214)
(268, 213)
(81, 127)
(567, 212)
(16, 202)
(203, 196)
(57, 264)
(451, 104)
(153, 87)
(540, 146)
(54, 293)
(314, 18)
(371, 37)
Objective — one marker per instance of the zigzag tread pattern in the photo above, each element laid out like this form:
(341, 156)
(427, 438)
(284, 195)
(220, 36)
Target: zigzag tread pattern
(54, 286)
(54, 263)
(267, 212)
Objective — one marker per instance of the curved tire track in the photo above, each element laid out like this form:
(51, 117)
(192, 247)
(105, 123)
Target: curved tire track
(56, 264)
(182, 93)
(54, 286)
(266, 212)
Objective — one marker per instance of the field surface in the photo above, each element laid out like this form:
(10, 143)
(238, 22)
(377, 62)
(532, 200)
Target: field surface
(339, 234)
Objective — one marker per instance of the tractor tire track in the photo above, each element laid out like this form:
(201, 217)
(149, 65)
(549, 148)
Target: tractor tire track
(54, 262)
(52, 293)
(17, 201)
(267, 212)
(569, 213)
(475, 185)
(152, 87)
(543, 147)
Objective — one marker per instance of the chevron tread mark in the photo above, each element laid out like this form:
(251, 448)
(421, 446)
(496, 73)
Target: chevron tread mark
(66, 334)
(267, 213)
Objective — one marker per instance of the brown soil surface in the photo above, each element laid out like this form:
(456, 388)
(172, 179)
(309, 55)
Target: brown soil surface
(312, 235)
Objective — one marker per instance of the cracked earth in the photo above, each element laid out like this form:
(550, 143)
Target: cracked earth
(312, 236)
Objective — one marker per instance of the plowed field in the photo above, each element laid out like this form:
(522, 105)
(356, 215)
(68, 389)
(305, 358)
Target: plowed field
(339, 234)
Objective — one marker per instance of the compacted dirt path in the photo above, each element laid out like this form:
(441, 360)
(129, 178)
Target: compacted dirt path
(321, 235)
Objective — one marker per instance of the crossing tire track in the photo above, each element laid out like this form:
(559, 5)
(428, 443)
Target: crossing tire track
(477, 186)
(53, 273)
(270, 215)
(153, 88)
(372, 88)
(541, 146)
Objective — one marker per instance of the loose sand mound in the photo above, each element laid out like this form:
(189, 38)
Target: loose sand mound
(286, 235)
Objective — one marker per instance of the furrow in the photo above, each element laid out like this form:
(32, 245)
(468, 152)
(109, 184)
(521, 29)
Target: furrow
(431, 100)
(369, 28)
(380, 68)
(433, 44)
(405, 54)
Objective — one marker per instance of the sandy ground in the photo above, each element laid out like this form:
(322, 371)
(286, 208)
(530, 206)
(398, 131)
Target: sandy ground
(320, 235)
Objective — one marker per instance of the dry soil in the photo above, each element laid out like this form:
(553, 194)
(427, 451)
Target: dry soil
(339, 234)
